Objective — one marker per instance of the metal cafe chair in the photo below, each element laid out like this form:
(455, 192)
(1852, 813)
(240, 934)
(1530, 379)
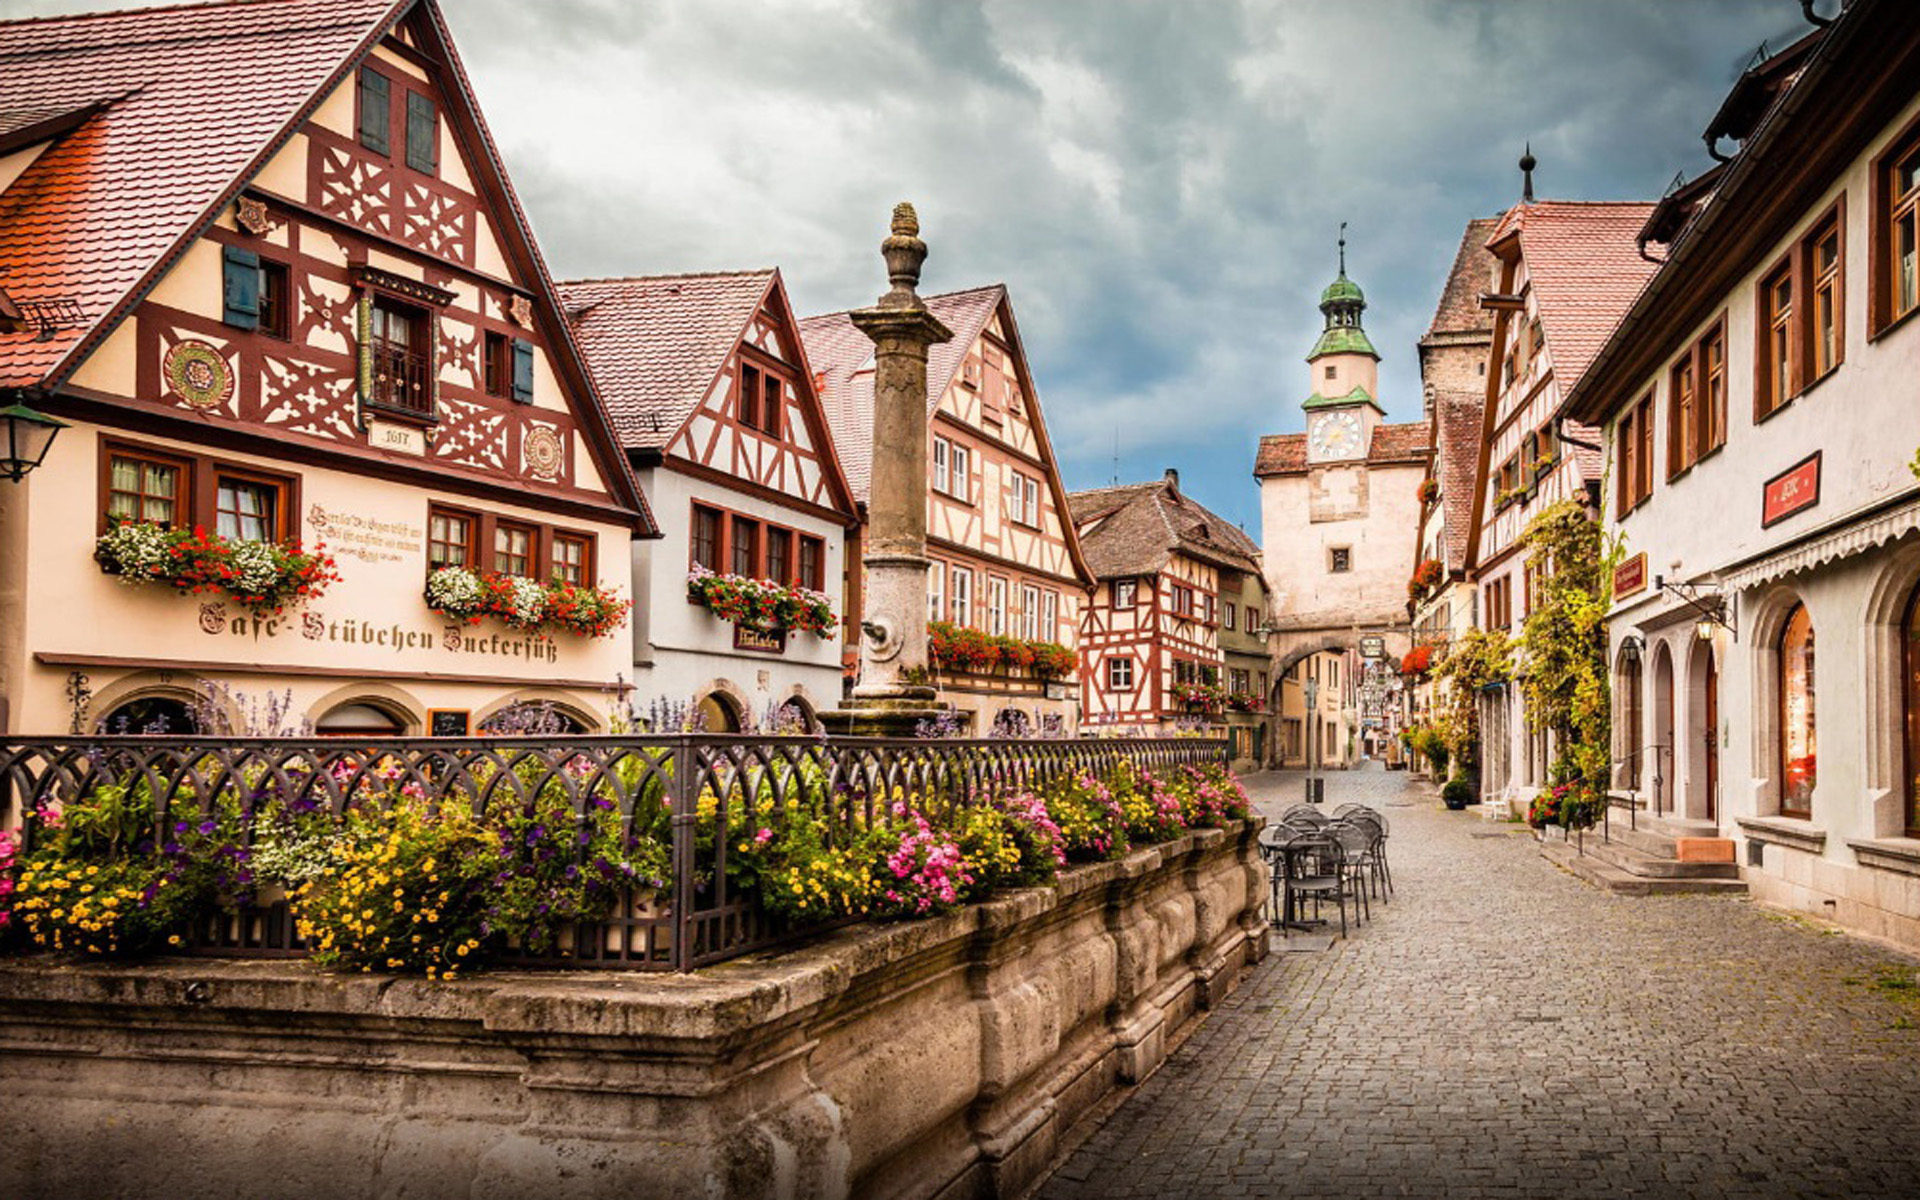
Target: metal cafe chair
(1312, 866)
(1375, 860)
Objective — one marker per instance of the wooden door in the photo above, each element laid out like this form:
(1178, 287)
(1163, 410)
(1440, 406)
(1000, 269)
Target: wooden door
(1711, 737)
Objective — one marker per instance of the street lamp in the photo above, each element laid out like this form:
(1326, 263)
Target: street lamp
(25, 438)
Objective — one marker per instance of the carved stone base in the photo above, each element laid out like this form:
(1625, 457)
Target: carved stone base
(894, 715)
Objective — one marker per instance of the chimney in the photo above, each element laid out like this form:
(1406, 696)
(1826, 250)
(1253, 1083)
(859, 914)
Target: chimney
(1173, 480)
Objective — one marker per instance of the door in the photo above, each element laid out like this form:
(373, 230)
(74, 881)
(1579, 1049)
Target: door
(1712, 739)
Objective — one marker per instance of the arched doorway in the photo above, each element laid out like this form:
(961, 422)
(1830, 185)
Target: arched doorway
(1629, 730)
(793, 718)
(532, 718)
(1702, 760)
(1664, 764)
(359, 718)
(719, 713)
(155, 715)
(1910, 699)
(1799, 747)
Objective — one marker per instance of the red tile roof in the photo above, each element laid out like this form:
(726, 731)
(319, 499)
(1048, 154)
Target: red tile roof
(1585, 270)
(656, 342)
(1134, 529)
(1286, 453)
(838, 352)
(1459, 310)
(101, 207)
(1456, 461)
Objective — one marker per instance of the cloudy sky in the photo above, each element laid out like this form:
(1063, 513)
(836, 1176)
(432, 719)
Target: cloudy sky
(1159, 184)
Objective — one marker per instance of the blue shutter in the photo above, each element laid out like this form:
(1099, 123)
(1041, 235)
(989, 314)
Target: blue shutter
(523, 370)
(374, 112)
(240, 295)
(422, 123)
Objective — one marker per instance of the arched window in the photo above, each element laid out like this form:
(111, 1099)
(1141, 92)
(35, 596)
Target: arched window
(718, 714)
(1629, 718)
(531, 718)
(1910, 655)
(359, 719)
(157, 716)
(1799, 751)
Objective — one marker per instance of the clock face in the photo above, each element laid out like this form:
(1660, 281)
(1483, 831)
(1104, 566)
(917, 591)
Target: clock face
(1336, 435)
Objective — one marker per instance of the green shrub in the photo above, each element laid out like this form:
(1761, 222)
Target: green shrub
(1458, 792)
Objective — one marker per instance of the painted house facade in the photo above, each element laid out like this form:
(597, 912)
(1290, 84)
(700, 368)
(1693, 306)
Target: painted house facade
(1759, 411)
(707, 382)
(1154, 641)
(1566, 272)
(319, 319)
(1005, 563)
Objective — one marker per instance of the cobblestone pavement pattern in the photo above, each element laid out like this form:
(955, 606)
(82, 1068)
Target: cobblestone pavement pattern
(1503, 1030)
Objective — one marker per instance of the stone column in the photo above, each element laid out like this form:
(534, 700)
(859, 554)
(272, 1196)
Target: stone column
(893, 693)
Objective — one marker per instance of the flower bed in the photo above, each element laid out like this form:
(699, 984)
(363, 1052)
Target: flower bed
(471, 596)
(514, 860)
(959, 648)
(762, 603)
(266, 578)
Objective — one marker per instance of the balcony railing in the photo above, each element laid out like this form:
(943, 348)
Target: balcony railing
(702, 788)
(400, 379)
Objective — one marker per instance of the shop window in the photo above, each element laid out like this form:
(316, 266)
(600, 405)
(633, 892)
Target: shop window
(513, 549)
(449, 539)
(1799, 757)
(249, 509)
(145, 488)
(152, 716)
(399, 352)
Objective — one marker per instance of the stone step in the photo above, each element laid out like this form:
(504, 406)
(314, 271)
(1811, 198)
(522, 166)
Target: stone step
(1655, 835)
(1621, 882)
(1632, 860)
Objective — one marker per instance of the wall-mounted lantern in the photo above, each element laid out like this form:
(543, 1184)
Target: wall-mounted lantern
(25, 437)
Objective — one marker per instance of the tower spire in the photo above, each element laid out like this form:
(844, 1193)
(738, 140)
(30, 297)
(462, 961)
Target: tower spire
(1343, 248)
(1527, 163)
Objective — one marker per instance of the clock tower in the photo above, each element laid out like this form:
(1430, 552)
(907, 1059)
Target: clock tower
(1344, 376)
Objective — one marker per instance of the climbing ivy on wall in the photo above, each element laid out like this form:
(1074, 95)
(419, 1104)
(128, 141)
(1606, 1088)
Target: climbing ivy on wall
(1476, 660)
(1564, 642)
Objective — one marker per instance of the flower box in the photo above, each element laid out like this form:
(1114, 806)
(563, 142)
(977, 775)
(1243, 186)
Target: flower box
(265, 578)
(762, 603)
(958, 648)
(525, 604)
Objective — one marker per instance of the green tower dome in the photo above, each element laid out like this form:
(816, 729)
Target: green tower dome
(1342, 303)
(1342, 289)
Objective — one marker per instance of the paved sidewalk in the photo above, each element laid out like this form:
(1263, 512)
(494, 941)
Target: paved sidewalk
(1502, 1029)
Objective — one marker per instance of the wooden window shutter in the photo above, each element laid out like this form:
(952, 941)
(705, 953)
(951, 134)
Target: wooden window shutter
(422, 124)
(374, 110)
(240, 291)
(523, 371)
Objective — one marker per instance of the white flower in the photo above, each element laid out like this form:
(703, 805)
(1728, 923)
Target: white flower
(256, 569)
(454, 590)
(133, 548)
(528, 600)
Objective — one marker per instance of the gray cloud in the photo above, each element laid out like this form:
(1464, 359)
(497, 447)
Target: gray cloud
(1158, 183)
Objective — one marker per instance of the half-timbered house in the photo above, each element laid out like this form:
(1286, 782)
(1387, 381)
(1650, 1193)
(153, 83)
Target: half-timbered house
(1007, 579)
(269, 269)
(708, 385)
(1566, 272)
(1170, 572)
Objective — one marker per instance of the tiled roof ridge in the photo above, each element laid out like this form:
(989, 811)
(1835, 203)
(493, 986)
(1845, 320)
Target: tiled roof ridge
(107, 13)
(589, 280)
(929, 299)
(163, 37)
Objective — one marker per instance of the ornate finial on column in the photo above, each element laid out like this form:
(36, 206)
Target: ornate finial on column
(1527, 163)
(904, 252)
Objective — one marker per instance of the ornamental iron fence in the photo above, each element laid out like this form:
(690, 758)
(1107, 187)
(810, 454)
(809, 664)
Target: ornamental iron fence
(700, 791)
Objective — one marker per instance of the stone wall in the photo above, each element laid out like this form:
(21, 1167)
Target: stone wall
(940, 1058)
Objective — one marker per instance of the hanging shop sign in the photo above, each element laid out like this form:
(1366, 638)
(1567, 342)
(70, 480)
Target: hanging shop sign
(1630, 576)
(1373, 646)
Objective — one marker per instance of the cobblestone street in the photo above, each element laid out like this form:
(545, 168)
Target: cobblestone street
(1502, 1029)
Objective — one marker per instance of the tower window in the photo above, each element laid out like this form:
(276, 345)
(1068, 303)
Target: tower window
(1340, 560)
(1331, 370)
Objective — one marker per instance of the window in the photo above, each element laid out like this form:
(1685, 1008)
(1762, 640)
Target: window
(744, 541)
(1023, 500)
(1239, 681)
(1331, 371)
(779, 555)
(1125, 593)
(962, 481)
(1896, 230)
(1910, 639)
(449, 539)
(1827, 345)
(1029, 612)
(248, 509)
(813, 563)
(1120, 674)
(275, 303)
(1697, 402)
(1799, 757)
(1339, 560)
(1050, 617)
(496, 368)
(374, 95)
(1499, 607)
(1253, 620)
(423, 134)
(936, 591)
(706, 538)
(399, 351)
(572, 560)
(962, 596)
(771, 404)
(1181, 599)
(1775, 384)
(996, 605)
(942, 472)
(760, 399)
(513, 549)
(143, 488)
(1228, 611)
(1185, 670)
(1633, 437)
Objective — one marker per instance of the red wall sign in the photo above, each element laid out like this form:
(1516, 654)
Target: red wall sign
(1791, 491)
(1630, 576)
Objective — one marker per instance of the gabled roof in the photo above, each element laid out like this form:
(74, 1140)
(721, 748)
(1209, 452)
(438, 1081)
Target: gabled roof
(1136, 528)
(1459, 311)
(171, 138)
(172, 135)
(1584, 268)
(1392, 445)
(656, 342)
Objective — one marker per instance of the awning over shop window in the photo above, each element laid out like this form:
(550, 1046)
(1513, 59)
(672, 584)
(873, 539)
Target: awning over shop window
(1843, 542)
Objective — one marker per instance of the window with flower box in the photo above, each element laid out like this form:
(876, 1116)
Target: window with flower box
(250, 508)
(513, 548)
(572, 559)
(706, 537)
(1030, 612)
(730, 543)
(1050, 616)
(449, 539)
(146, 487)
(813, 560)
(996, 605)
(481, 541)
(181, 490)
(961, 592)
(743, 540)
